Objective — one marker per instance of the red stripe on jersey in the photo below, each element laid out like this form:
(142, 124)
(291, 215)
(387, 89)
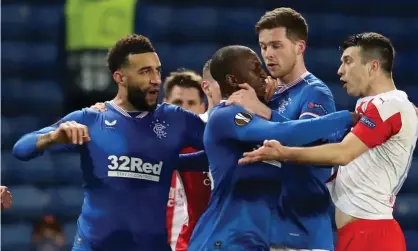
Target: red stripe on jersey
(372, 130)
(197, 189)
(171, 205)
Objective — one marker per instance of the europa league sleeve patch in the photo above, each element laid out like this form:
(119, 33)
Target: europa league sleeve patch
(242, 118)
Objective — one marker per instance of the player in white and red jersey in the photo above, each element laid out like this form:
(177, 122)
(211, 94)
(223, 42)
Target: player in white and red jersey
(373, 159)
(190, 191)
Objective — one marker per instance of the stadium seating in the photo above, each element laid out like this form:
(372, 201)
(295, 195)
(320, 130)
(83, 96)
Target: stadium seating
(184, 35)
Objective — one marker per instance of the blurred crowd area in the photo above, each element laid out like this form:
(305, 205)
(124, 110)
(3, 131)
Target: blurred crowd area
(53, 62)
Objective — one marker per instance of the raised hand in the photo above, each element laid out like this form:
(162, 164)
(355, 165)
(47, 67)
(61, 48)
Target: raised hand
(70, 132)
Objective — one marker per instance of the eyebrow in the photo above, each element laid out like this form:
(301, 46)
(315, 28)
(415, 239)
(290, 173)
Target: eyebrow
(345, 57)
(271, 42)
(149, 68)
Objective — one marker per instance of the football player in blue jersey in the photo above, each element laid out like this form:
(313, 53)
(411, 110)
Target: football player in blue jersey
(244, 212)
(128, 154)
(282, 35)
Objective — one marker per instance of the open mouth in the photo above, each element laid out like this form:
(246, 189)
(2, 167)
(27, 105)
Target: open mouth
(343, 82)
(153, 92)
(271, 65)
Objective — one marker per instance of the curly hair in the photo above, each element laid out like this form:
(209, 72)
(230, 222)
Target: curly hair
(132, 44)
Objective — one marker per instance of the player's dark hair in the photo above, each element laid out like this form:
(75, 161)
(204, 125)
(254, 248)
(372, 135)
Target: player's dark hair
(183, 78)
(293, 21)
(373, 46)
(223, 63)
(132, 44)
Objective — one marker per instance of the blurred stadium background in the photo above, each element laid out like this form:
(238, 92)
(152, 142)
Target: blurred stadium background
(53, 61)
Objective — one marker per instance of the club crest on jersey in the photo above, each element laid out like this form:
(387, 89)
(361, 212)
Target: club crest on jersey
(242, 118)
(159, 128)
(367, 122)
(283, 105)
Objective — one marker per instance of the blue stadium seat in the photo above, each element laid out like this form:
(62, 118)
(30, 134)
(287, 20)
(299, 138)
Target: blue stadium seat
(411, 240)
(14, 128)
(16, 236)
(35, 171)
(406, 210)
(68, 169)
(237, 25)
(13, 19)
(156, 29)
(34, 99)
(327, 29)
(177, 23)
(46, 28)
(20, 55)
(411, 182)
(28, 202)
(28, 22)
(192, 56)
(323, 61)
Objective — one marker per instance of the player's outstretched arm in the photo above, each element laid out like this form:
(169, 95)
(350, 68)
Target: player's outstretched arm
(371, 131)
(328, 155)
(67, 133)
(236, 123)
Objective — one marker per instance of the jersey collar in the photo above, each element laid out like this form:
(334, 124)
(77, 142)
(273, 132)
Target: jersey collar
(285, 87)
(125, 113)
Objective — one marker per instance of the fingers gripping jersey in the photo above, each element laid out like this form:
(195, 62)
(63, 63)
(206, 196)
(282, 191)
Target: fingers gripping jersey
(366, 188)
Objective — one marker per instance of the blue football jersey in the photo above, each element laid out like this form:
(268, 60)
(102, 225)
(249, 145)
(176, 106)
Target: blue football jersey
(127, 168)
(243, 203)
(304, 202)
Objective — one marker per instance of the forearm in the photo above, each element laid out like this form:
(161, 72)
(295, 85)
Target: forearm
(327, 155)
(34, 144)
(31, 145)
(197, 161)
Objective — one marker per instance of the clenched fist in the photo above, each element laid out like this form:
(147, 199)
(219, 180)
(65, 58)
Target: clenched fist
(70, 132)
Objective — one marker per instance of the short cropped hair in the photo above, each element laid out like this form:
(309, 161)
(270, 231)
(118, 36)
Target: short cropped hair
(132, 44)
(206, 67)
(373, 46)
(223, 61)
(293, 21)
(183, 78)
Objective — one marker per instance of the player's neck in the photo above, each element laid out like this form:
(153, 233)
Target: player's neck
(381, 85)
(123, 103)
(297, 71)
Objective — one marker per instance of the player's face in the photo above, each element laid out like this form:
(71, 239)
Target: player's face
(354, 72)
(278, 51)
(143, 77)
(253, 73)
(188, 98)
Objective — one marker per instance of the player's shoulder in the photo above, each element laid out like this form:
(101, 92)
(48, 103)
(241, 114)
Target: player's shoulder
(396, 100)
(390, 103)
(313, 84)
(227, 113)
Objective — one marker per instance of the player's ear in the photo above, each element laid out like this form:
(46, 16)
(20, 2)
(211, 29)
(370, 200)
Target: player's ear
(300, 46)
(205, 86)
(119, 78)
(374, 66)
(232, 80)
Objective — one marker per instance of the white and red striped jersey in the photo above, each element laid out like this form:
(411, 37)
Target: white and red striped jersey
(367, 187)
(188, 199)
